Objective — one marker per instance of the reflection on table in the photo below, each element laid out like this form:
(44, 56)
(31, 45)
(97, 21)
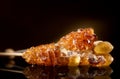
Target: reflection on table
(41, 72)
(58, 72)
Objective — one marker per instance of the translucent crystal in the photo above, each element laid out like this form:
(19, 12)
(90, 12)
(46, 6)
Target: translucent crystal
(103, 48)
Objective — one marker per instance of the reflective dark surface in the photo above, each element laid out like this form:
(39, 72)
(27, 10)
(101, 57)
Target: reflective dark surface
(12, 71)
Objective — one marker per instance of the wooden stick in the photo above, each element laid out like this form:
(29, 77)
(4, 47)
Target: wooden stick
(10, 54)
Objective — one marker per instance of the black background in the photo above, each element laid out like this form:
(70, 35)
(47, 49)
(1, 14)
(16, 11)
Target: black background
(29, 23)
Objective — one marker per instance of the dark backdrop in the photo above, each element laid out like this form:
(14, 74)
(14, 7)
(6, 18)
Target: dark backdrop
(26, 23)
